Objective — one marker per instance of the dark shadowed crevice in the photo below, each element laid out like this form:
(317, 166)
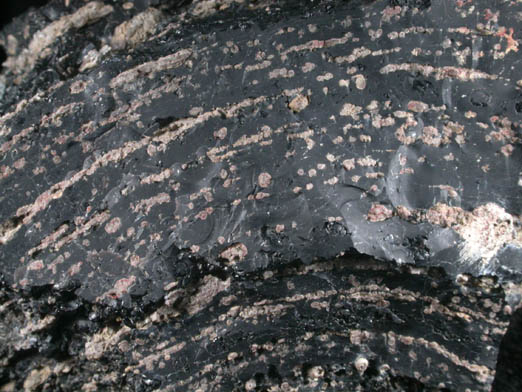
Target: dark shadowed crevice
(509, 363)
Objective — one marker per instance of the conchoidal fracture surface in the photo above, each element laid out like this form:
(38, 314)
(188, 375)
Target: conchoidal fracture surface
(271, 196)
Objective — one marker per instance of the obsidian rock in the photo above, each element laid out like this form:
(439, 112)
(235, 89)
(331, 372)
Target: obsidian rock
(259, 196)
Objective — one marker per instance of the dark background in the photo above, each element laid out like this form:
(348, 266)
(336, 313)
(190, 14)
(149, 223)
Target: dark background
(11, 8)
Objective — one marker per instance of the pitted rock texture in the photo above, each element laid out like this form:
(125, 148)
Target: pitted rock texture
(349, 324)
(158, 157)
